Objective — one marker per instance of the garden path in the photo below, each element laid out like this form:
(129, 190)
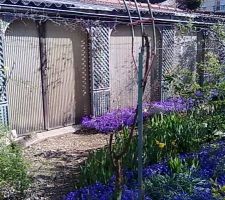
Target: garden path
(54, 163)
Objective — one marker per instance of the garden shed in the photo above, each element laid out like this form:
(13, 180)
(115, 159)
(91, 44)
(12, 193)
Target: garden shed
(57, 96)
(62, 60)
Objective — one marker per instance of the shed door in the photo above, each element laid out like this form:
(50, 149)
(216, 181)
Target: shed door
(68, 96)
(65, 97)
(24, 89)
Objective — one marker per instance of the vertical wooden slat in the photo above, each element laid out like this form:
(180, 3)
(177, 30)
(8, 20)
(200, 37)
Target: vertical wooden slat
(43, 68)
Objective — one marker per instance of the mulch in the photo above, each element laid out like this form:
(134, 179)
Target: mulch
(54, 163)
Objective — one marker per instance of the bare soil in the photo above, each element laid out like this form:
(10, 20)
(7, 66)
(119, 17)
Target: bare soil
(54, 163)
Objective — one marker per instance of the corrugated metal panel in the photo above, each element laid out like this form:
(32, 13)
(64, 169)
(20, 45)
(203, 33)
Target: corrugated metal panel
(123, 73)
(24, 87)
(68, 93)
(122, 69)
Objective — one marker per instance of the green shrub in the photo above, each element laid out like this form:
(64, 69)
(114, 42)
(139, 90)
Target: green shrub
(97, 167)
(164, 137)
(168, 186)
(167, 135)
(181, 179)
(177, 165)
(13, 170)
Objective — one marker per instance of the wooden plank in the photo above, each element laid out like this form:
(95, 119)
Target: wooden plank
(43, 63)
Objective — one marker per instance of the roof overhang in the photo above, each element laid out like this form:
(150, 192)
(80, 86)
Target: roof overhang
(108, 10)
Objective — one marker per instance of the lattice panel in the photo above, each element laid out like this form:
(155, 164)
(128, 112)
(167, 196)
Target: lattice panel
(156, 72)
(101, 100)
(168, 35)
(100, 56)
(3, 78)
(215, 45)
(4, 114)
(99, 49)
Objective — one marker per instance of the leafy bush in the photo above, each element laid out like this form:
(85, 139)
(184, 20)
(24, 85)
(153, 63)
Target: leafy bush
(97, 167)
(189, 4)
(207, 89)
(168, 186)
(13, 170)
(164, 137)
(197, 176)
(177, 165)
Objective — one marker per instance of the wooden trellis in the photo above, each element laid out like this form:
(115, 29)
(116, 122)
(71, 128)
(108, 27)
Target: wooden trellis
(4, 22)
(168, 34)
(99, 49)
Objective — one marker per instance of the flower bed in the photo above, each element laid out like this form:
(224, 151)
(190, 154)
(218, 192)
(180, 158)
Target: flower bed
(116, 119)
(193, 176)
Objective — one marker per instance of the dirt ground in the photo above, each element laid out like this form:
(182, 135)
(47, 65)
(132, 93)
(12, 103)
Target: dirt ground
(54, 163)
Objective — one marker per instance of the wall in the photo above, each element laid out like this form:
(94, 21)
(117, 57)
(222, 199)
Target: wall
(123, 70)
(49, 76)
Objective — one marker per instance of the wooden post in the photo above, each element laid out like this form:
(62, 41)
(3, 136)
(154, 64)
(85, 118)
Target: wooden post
(43, 63)
(140, 124)
(201, 39)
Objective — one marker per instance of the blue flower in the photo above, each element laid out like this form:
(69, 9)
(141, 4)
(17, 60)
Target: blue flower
(211, 167)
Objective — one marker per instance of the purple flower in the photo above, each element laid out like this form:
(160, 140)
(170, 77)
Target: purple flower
(172, 104)
(116, 119)
(198, 94)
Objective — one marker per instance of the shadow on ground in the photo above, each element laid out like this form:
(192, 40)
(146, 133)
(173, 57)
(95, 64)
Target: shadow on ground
(55, 164)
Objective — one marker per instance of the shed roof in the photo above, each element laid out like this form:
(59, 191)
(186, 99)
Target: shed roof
(70, 4)
(101, 8)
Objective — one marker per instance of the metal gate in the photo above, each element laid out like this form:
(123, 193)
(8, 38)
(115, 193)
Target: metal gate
(58, 97)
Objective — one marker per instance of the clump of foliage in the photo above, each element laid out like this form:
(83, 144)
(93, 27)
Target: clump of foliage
(190, 176)
(97, 167)
(165, 135)
(14, 178)
(179, 178)
(189, 4)
(199, 119)
(205, 85)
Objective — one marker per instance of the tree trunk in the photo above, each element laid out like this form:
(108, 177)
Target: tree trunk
(119, 179)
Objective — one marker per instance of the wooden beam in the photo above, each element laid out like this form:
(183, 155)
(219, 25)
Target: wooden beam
(43, 67)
